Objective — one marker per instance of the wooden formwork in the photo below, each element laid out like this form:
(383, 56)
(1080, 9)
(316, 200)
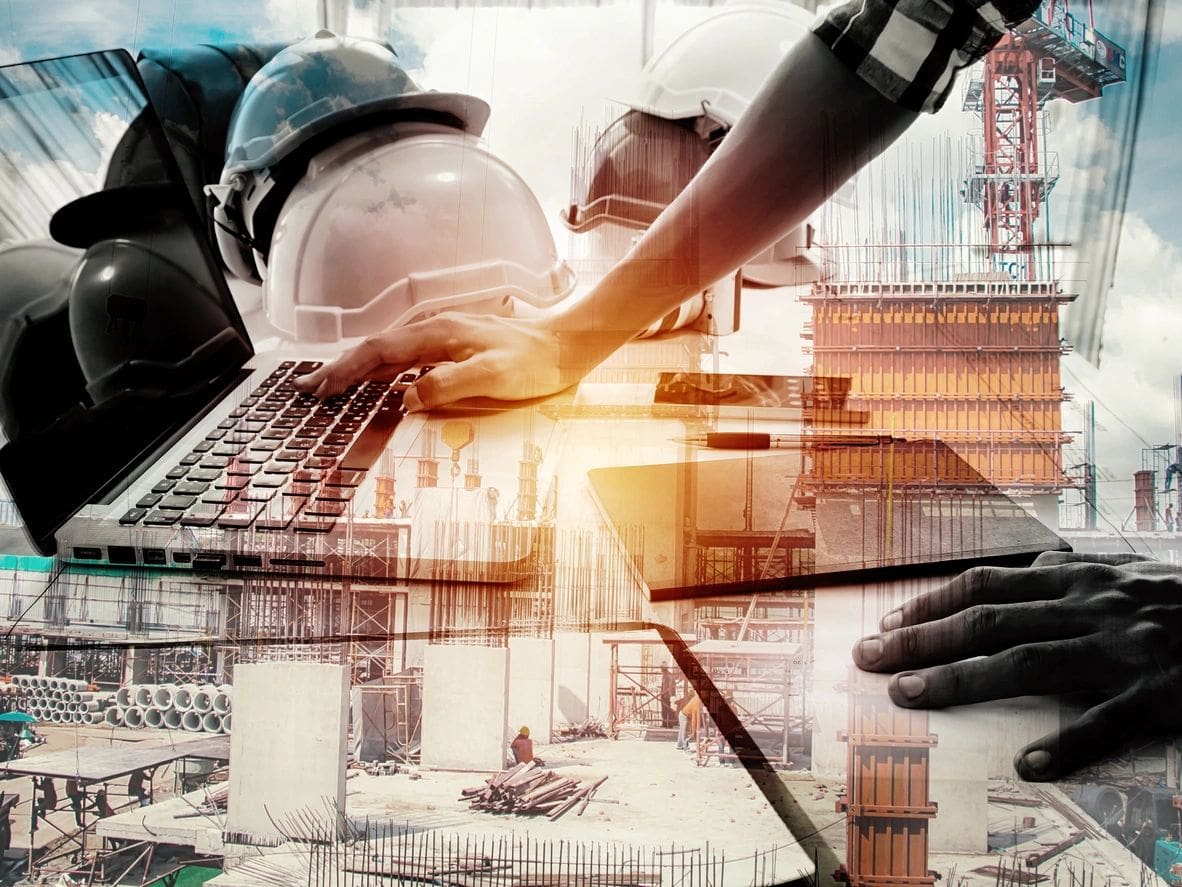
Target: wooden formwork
(886, 804)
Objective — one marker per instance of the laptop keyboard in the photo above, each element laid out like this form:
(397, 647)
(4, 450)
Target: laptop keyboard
(281, 460)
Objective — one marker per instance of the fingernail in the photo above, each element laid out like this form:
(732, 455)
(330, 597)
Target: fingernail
(869, 650)
(911, 685)
(892, 620)
(1037, 762)
(411, 401)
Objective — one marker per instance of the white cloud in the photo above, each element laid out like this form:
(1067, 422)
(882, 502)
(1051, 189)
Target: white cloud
(9, 55)
(286, 20)
(1133, 389)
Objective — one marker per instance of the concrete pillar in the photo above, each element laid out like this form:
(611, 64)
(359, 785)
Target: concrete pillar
(135, 667)
(51, 663)
(288, 748)
(465, 707)
(572, 663)
(531, 687)
(418, 623)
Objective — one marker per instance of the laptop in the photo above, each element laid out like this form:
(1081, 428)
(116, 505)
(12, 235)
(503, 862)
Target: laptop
(818, 513)
(141, 429)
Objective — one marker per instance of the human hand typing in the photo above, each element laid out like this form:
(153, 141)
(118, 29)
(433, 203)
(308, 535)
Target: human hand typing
(481, 355)
(1106, 625)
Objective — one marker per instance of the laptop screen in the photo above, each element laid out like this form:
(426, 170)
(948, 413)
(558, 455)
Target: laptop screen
(811, 515)
(117, 328)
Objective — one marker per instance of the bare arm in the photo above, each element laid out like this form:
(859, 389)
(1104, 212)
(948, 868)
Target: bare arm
(811, 127)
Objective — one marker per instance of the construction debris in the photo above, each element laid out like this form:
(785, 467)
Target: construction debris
(529, 790)
(589, 729)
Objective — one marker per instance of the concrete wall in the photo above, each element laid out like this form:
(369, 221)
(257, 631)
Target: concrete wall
(572, 663)
(465, 707)
(531, 686)
(287, 750)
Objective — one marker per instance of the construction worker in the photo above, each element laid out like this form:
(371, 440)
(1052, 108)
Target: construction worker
(688, 716)
(47, 802)
(1100, 623)
(668, 688)
(522, 746)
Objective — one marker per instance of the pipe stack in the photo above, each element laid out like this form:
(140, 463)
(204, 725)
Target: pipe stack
(63, 700)
(195, 708)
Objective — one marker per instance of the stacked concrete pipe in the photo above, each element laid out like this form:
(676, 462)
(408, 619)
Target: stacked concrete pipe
(193, 708)
(62, 700)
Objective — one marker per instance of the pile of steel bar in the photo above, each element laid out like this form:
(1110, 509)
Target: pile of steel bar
(529, 790)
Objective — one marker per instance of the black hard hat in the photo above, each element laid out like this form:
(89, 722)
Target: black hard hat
(39, 374)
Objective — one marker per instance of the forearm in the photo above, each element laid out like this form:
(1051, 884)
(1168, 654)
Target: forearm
(811, 127)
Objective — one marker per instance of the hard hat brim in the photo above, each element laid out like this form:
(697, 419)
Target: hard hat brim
(114, 211)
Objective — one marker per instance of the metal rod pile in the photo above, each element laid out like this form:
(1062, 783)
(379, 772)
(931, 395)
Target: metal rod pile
(529, 790)
(589, 729)
(62, 700)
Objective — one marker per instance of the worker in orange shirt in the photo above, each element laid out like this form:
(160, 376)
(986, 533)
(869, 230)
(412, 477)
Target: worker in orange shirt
(688, 718)
(522, 746)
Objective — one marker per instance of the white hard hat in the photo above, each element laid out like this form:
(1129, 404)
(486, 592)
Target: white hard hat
(715, 68)
(689, 96)
(310, 94)
(399, 223)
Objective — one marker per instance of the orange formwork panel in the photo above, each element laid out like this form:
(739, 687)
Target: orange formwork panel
(887, 806)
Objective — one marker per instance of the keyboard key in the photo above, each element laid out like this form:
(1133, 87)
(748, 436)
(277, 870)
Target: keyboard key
(248, 427)
(177, 473)
(238, 412)
(241, 468)
(216, 434)
(276, 434)
(228, 449)
(206, 475)
(328, 452)
(177, 503)
(257, 494)
(191, 459)
(320, 462)
(254, 456)
(203, 446)
(203, 514)
(407, 379)
(237, 437)
(240, 514)
(279, 512)
(231, 482)
(269, 480)
(217, 462)
(219, 497)
(190, 488)
(133, 516)
(304, 476)
(296, 413)
(306, 366)
(265, 446)
(148, 501)
(162, 518)
(335, 494)
(164, 486)
(309, 431)
(227, 424)
(338, 440)
(314, 524)
(286, 423)
(321, 508)
(301, 443)
(290, 456)
(279, 467)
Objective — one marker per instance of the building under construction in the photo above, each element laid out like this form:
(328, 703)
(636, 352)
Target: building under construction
(967, 354)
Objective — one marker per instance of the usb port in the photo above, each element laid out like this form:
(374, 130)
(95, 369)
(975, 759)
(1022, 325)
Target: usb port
(155, 556)
(181, 557)
(121, 554)
(87, 553)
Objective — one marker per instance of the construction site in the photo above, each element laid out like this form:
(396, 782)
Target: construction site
(631, 706)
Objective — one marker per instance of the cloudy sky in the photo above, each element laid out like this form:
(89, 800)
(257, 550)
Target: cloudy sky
(548, 73)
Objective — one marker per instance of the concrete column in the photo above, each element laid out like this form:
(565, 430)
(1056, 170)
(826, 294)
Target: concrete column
(572, 664)
(288, 748)
(465, 707)
(135, 667)
(531, 686)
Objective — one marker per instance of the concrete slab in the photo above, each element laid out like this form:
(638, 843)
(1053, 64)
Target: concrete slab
(465, 694)
(288, 748)
(572, 675)
(656, 806)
